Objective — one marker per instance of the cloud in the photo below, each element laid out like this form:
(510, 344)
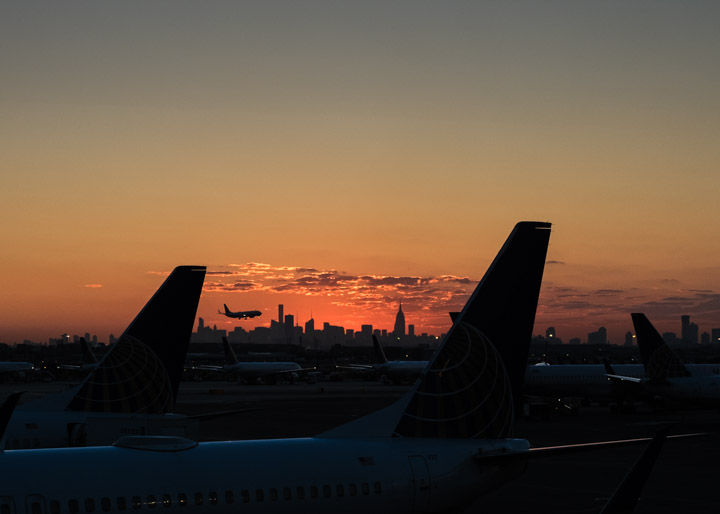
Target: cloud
(93, 286)
(365, 290)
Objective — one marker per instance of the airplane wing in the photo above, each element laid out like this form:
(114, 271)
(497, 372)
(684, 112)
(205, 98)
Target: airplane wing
(551, 451)
(622, 378)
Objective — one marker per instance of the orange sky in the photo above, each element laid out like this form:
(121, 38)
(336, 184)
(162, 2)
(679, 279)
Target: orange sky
(365, 139)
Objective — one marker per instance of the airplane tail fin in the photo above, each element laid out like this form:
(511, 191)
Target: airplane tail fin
(141, 372)
(472, 382)
(379, 352)
(87, 352)
(227, 311)
(230, 357)
(659, 360)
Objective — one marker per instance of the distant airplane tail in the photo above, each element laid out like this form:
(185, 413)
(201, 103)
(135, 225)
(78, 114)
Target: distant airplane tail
(141, 372)
(379, 352)
(469, 388)
(228, 312)
(230, 357)
(659, 360)
(87, 352)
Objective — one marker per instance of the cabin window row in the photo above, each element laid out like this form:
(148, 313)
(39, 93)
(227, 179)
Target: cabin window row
(89, 505)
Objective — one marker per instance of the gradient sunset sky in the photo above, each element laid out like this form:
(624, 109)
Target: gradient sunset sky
(340, 157)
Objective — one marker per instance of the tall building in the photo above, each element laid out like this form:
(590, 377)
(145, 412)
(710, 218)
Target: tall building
(599, 337)
(629, 338)
(715, 336)
(689, 330)
(399, 330)
(280, 313)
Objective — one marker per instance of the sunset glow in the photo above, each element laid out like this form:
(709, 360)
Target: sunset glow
(339, 158)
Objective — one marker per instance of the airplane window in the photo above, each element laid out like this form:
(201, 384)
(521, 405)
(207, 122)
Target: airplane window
(212, 496)
(151, 501)
(136, 502)
(229, 497)
(244, 496)
(327, 491)
(5, 508)
(353, 489)
(89, 505)
(287, 493)
(300, 493)
(121, 503)
(105, 504)
(35, 508)
(378, 488)
(167, 500)
(182, 499)
(54, 508)
(273, 494)
(259, 495)
(340, 490)
(365, 488)
(198, 499)
(73, 506)
(313, 491)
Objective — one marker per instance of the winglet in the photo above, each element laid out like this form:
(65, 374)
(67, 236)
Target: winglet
(6, 412)
(626, 495)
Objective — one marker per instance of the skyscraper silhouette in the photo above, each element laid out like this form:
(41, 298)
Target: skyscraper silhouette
(399, 330)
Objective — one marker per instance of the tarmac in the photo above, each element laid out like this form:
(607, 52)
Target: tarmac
(683, 480)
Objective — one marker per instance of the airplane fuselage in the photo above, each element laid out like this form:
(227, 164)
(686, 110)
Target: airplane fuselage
(58, 429)
(395, 475)
(590, 380)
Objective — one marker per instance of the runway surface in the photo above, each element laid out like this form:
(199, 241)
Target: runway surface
(683, 480)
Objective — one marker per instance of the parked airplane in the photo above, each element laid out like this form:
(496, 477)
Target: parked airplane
(251, 371)
(665, 376)
(89, 359)
(16, 366)
(239, 314)
(395, 370)
(438, 448)
(134, 386)
(594, 382)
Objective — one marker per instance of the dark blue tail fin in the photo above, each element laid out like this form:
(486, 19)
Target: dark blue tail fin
(141, 372)
(477, 373)
(230, 357)
(379, 352)
(659, 360)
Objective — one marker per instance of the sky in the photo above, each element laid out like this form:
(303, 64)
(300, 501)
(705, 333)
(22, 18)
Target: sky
(341, 157)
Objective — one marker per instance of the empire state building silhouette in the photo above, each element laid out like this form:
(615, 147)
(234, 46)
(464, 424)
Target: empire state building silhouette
(399, 330)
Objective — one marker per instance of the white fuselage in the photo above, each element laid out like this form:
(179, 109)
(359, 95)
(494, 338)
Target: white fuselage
(317, 475)
(261, 369)
(589, 380)
(401, 368)
(690, 390)
(58, 429)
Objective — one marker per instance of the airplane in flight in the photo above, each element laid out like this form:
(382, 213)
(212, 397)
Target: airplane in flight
(666, 377)
(239, 314)
(134, 386)
(252, 371)
(448, 441)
